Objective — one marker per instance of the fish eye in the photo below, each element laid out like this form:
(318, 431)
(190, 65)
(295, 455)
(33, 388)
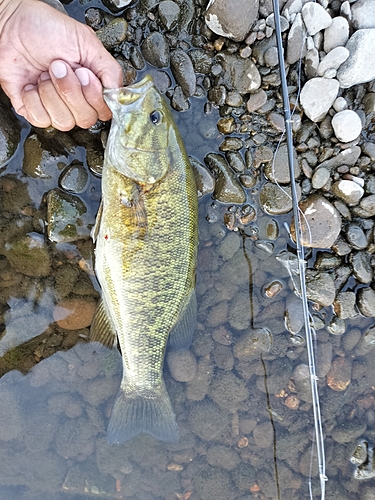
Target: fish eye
(155, 117)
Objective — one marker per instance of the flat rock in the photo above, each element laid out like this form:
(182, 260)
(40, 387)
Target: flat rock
(296, 41)
(337, 34)
(347, 125)
(278, 170)
(275, 200)
(317, 97)
(241, 74)
(231, 19)
(315, 17)
(74, 313)
(363, 14)
(183, 71)
(356, 69)
(321, 222)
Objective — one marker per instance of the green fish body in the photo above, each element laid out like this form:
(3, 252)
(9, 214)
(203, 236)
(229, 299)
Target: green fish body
(145, 255)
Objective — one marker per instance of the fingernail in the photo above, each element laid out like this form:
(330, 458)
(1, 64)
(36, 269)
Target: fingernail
(29, 87)
(83, 76)
(58, 69)
(44, 76)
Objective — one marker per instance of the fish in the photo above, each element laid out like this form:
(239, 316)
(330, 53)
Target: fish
(146, 236)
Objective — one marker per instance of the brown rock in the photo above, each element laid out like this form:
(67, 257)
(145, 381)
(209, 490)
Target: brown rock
(339, 376)
(74, 313)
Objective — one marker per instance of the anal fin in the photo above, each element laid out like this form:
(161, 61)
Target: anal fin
(102, 329)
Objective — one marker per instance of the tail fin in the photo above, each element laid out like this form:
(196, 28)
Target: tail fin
(135, 413)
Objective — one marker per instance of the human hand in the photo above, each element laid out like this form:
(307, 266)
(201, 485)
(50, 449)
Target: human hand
(52, 67)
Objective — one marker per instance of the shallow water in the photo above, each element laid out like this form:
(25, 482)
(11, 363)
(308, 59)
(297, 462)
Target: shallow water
(241, 435)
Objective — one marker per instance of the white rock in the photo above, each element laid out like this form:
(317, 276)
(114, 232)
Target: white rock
(296, 41)
(315, 17)
(317, 97)
(340, 104)
(293, 7)
(347, 125)
(363, 14)
(312, 63)
(348, 191)
(333, 60)
(337, 34)
(318, 40)
(359, 67)
(345, 10)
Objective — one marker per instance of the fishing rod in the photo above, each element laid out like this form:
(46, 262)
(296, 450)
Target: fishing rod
(319, 436)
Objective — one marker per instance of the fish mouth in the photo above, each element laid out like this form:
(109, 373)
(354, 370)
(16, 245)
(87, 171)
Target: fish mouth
(130, 94)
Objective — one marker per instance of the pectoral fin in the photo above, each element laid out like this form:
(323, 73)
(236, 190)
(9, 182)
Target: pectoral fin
(102, 330)
(182, 333)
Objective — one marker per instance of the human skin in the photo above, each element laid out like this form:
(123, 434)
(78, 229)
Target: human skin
(52, 67)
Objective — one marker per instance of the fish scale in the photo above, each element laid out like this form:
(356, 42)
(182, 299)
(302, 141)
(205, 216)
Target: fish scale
(145, 256)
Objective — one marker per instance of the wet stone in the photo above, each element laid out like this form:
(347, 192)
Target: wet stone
(155, 50)
(321, 223)
(229, 246)
(169, 13)
(256, 100)
(320, 287)
(241, 74)
(278, 170)
(301, 377)
(231, 144)
(182, 365)
(202, 62)
(263, 434)
(339, 376)
(366, 301)
(326, 260)
(344, 305)
(222, 456)
(74, 313)
(235, 160)
(179, 101)
(29, 255)
(293, 315)
(113, 33)
(226, 125)
(323, 358)
(183, 71)
(223, 357)
(361, 263)
(263, 154)
(274, 200)
(348, 431)
(356, 237)
(337, 326)
(197, 389)
(227, 188)
(348, 191)
(9, 135)
(66, 217)
(253, 344)
(203, 178)
(74, 178)
(233, 21)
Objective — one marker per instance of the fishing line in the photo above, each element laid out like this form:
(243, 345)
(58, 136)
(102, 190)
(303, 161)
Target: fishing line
(319, 437)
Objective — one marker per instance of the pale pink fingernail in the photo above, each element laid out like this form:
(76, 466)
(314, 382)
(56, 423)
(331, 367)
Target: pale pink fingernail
(83, 76)
(44, 76)
(29, 87)
(58, 69)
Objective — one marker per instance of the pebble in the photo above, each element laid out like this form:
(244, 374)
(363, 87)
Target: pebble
(317, 97)
(203, 178)
(315, 17)
(296, 40)
(339, 376)
(29, 254)
(301, 377)
(293, 315)
(182, 365)
(113, 33)
(320, 287)
(344, 305)
(74, 178)
(278, 170)
(74, 313)
(227, 187)
(337, 34)
(275, 200)
(348, 191)
(232, 20)
(366, 207)
(337, 326)
(155, 50)
(347, 125)
(356, 69)
(241, 74)
(169, 13)
(256, 100)
(321, 223)
(366, 302)
(356, 237)
(263, 434)
(361, 263)
(9, 136)
(332, 60)
(320, 177)
(183, 71)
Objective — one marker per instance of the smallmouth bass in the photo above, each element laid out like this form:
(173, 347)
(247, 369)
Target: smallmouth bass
(146, 236)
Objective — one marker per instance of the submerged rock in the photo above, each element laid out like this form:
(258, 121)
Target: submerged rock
(9, 136)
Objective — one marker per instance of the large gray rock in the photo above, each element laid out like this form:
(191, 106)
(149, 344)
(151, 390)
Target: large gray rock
(363, 14)
(357, 69)
(317, 97)
(231, 19)
(315, 17)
